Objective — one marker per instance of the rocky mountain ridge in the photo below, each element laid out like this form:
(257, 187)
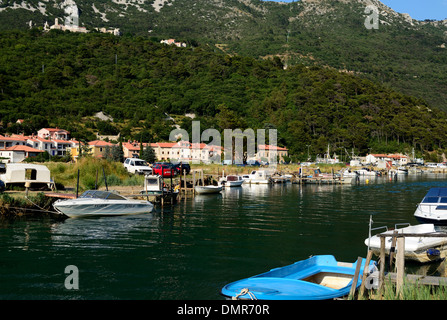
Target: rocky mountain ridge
(398, 51)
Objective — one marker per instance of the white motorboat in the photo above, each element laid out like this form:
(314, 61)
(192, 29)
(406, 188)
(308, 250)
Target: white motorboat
(258, 177)
(348, 173)
(281, 178)
(433, 208)
(402, 170)
(421, 249)
(95, 202)
(367, 172)
(231, 181)
(207, 189)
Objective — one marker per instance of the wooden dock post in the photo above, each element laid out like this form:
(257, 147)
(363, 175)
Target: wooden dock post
(184, 178)
(400, 264)
(194, 183)
(382, 263)
(393, 249)
(356, 277)
(365, 272)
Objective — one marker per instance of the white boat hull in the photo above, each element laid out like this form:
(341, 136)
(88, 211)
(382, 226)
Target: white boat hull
(416, 248)
(207, 189)
(433, 208)
(254, 181)
(231, 181)
(234, 183)
(86, 207)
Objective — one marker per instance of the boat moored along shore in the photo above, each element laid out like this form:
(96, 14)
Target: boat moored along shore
(419, 246)
(319, 277)
(433, 207)
(101, 203)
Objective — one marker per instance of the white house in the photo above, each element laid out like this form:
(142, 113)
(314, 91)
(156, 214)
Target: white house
(62, 146)
(42, 144)
(6, 142)
(53, 133)
(394, 159)
(18, 153)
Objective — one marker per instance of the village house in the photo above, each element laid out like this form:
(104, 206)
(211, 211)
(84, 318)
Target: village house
(164, 151)
(174, 151)
(268, 151)
(63, 146)
(18, 153)
(53, 133)
(173, 42)
(55, 147)
(6, 142)
(387, 160)
(97, 148)
(185, 151)
(131, 149)
(41, 144)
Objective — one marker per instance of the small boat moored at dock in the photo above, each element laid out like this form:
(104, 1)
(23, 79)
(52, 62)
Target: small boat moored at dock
(433, 208)
(258, 177)
(207, 189)
(367, 172)
(417, 248)
(231, 181)
(101, 203)
(320, 277)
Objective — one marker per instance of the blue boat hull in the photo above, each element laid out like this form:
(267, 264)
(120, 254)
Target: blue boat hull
(303, 280)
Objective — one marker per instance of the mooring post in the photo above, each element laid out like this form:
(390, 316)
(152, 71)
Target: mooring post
(365, 272)
(194, 183)
(356, 277)
(392, 250)
(77, 185)
(185, 190)
(382, 263)
(400, 264)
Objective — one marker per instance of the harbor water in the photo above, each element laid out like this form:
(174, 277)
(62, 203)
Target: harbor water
(192, 249)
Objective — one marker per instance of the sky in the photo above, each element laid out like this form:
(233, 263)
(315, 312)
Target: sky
(417, 9)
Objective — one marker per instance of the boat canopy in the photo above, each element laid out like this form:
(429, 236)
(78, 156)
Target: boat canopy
(101, 195)
(436, 195)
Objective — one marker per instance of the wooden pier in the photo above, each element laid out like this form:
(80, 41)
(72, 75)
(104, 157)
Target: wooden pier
(399, 277)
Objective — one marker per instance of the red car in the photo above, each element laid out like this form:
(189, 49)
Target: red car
(168, 170)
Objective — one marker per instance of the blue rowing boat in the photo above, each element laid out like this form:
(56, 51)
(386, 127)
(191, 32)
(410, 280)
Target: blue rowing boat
(317, 278)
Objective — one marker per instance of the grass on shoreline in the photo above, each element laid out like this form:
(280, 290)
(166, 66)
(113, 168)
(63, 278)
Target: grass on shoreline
(410, 291)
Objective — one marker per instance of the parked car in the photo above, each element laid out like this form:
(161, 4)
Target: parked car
(253, 163)
(137, 166)
(182, 168)
(168, 169)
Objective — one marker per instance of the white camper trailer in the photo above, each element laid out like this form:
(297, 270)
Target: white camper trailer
(28, 175)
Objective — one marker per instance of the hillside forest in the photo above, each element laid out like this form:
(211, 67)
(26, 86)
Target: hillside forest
(61, 79)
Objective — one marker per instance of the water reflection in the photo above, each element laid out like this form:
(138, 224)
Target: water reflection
(101, 232)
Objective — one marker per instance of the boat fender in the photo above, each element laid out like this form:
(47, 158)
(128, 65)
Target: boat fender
(433, 252)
